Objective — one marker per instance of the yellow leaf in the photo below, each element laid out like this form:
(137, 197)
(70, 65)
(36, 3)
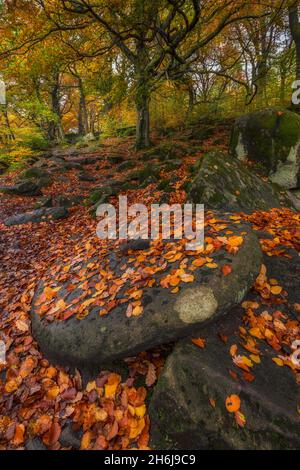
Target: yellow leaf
(112, 385)
(278, 361)
(136, 428)
(256, 333)
(235, 241)
(255, 358)
(212, 265)
(91, 386)
(276, 290)
(140, 411)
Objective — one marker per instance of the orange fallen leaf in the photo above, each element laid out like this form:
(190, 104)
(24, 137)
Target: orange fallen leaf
(18, 438)
(233, 403)
(226, 269)
(240, 419)
(200, 342)
(111, 386)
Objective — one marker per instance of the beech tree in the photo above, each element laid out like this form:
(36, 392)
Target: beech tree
(159, 39)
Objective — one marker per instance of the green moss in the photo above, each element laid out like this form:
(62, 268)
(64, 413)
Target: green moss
(164, 185)
(268, 136)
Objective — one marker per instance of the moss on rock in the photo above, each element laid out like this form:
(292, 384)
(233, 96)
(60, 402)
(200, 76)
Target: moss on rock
(270, 137)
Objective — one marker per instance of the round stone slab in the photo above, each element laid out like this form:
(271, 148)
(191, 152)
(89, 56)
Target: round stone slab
(107, 326)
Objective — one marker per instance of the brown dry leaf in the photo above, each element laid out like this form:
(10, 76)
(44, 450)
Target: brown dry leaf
(212, 402)
(151, 376)
(52, 436)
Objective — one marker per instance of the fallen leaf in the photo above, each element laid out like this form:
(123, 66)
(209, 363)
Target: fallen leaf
(233, 403)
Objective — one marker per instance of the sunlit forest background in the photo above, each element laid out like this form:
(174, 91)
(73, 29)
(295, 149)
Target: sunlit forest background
(69, 75)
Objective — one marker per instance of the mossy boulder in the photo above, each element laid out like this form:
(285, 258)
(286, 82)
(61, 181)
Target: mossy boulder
(165, 151)
(3, 166)
(127, 165)
(271, 138)
(149, 173)
(188, 411)
(37, 216)
(23, 188)
(41, 178)
(34, 173)
(115, 159)
(227, 184)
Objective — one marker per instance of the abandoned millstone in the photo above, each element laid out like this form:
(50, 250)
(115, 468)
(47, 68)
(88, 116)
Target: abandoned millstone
(224, 183)
(38, 215)
(271, 138)
(181, 410)
(100, 339)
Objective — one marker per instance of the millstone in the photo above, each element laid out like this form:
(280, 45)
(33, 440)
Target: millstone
(93, 338)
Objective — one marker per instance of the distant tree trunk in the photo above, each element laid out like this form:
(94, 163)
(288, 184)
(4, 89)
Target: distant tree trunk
(56, 132)
(283, 77)
(83, 126)
(143, 115)
(10, 133)
(191, 100)
(261, 83)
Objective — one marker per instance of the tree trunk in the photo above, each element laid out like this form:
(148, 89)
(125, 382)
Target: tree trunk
(83, 127)
(56, 132)
(10, 134)
(143, 116)
(283, 77)
(191, 100)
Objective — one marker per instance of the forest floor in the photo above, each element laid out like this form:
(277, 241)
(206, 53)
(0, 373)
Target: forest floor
(39, 399)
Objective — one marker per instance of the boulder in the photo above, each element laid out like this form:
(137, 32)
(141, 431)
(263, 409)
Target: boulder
(3, 167)
(38, 215)
(271, 138)
(35, 173)
(188, 409)
(127, 165)
(286, 270)
(23, 188)
(45, 201)
(83, 176)
(98, 336)
(227, 184)
(67, 201)
(90, 137)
